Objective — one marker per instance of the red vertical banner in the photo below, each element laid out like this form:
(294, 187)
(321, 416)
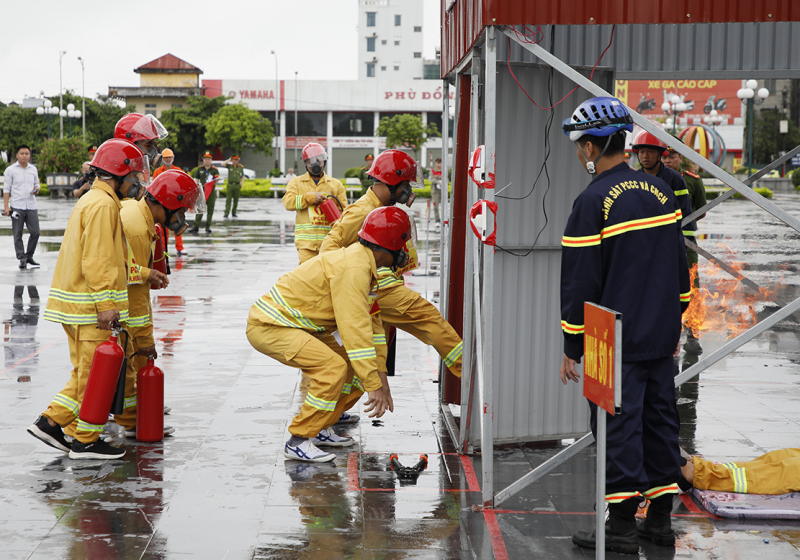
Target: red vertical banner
(601, 364)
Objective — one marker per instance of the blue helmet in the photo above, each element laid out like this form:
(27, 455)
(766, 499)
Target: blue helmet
(599, 116)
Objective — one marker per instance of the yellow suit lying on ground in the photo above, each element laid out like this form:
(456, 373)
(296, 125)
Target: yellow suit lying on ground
(89, 278)
(777, 472)
(140, 233)
(296, 323)
(310, 225)
(400, 306)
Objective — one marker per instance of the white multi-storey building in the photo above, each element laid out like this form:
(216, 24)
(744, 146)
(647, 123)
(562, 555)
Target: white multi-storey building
(390, 39)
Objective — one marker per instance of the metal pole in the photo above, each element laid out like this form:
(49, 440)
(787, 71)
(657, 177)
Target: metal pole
(750, 135)
(60, 93)
(600, 490)
(277, 94)
(444, 250)
(83, 99)
(487, 311)
(295, 123)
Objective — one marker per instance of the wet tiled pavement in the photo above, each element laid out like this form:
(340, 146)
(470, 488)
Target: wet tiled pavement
(220, 488)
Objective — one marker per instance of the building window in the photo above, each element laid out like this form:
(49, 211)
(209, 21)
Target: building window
(150, 109)
(417, 55)
(370, 19)
(370, 44)
(309, 123)
(383, 42)
(397, 43)
(177, 106)
(417, 29)
(370, 70)
(397, 21)
(354, 124)
(383, 68)
(396, 68)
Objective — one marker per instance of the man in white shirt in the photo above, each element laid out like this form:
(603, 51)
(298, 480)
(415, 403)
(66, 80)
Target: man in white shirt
(19, 199)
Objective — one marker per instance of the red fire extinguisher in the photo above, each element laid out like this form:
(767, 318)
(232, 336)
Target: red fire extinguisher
(150, 403)
(102, 383)
(159, 255)
(332, 209)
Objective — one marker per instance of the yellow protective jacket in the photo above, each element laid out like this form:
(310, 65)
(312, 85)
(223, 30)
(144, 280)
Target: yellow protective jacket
(90, 270)
(344, 231)
(311, 226)
(326, 294)
(140, 233)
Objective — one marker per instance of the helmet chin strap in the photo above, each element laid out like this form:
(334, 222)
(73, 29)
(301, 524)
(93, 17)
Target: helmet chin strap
(590, 165)
(651, 167)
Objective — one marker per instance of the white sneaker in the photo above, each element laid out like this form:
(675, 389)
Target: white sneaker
(332, 439)
(348, 418)
(308, 452)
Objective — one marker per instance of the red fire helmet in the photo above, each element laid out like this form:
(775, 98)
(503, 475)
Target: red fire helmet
(136, 127)
(175, 189)
(388, 227)
(392, 167)
(120, 157)
(313, 149)
(646, 140)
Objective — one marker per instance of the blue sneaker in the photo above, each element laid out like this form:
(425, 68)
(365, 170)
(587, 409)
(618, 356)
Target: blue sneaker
(348, 418)
(332, 439)
(308, 452)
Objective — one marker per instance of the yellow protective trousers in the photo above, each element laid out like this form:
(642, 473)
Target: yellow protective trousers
(322, 361)
(65, 406)
(139, 336)
(306, 254)
(777, 472)
(405, 309)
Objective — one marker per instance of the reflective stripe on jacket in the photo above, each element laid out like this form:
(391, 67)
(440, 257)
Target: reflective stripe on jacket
(90, 271)
(300, 198)
(303, 299)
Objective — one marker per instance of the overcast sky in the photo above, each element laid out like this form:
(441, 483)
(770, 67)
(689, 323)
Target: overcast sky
(226, 39)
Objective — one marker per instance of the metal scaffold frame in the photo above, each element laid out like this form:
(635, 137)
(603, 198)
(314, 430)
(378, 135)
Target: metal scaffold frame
(479, 261)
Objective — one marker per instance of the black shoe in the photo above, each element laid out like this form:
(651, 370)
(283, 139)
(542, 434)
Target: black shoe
(95, 450)
(657, 526)
(33, 263)
(235, 216)
(224, 215)
(23, 264)
(621, 535)
(194, 229)
(208, 230)
(51, 435)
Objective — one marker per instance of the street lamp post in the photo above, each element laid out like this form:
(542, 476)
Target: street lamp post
(295, 122)
(72, 114)
(83, 99)
(713, 119)
(61, 92)
(747, 94)
(676, 106)
(48, 110)
(277, 125)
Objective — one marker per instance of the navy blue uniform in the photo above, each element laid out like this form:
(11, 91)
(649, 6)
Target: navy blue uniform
(678, 186)
(623, 249)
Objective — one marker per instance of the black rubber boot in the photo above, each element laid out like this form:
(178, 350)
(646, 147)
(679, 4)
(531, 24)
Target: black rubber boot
(620, 529)
(657, 527)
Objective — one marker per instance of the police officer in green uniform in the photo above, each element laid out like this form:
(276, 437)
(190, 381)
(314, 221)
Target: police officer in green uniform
(235, 178)
(205, 173)
(366, 180)
(697, 195)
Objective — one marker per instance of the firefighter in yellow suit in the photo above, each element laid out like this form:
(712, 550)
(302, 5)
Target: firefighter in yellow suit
(400, 306)
(166, 201)
(304, 194)
(317, 318)
(776, 472)
(89, 292)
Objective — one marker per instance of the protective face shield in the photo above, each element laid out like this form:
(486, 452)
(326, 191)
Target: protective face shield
(316, 164)
(402, 194)
(410, 252)
(137, 182)
(149, 147)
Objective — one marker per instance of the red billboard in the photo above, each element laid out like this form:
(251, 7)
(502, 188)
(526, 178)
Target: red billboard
(700, 97)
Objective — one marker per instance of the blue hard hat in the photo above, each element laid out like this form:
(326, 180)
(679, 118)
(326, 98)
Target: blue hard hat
(599, 116)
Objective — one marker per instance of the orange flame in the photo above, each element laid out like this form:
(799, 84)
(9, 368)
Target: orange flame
(722, 303)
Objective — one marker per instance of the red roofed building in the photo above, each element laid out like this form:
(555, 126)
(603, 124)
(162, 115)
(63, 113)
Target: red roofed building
(164, 83)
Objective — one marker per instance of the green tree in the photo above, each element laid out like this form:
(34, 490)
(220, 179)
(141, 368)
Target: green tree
(235, 126)
(187, 125)
(22, 126)
(64, 155)
(768, 142)
(406, 131)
